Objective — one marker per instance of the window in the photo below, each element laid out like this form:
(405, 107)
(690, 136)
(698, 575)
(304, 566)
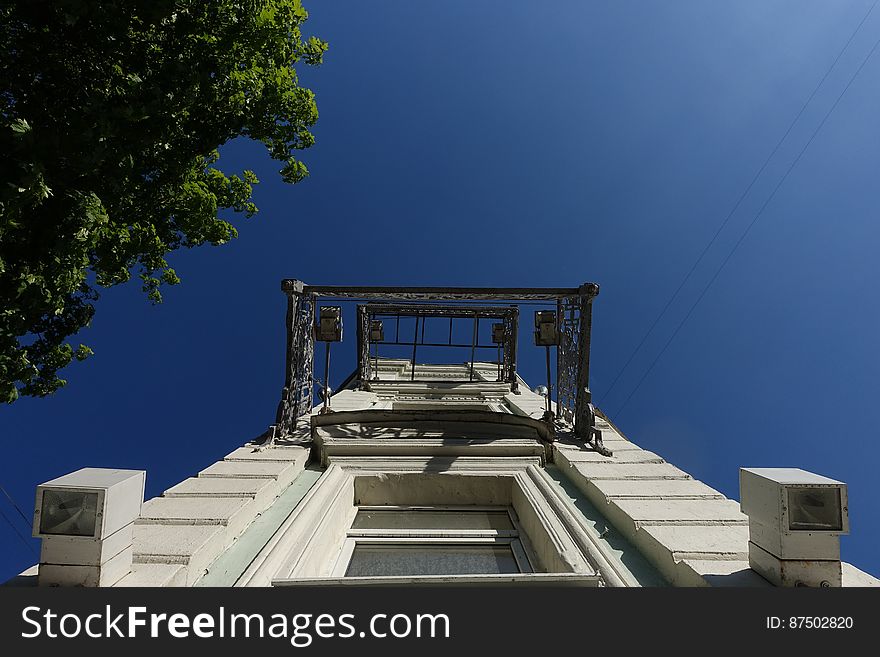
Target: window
(416, 541)
(460, 521)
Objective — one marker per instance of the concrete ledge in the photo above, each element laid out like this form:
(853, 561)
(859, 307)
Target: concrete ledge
(617, 445)
(616, 470)
(624, 456)
(670, 517)
(436, 447)
(292, 453)
(428, 429)
(852, 576)
(707, 542)
(718, 572)
(231, 513)
(656, 489)
(437, 386)
(428, 464)
(194, 547)
(154, 574)
(196, 520)
(261, 491)
(671, 547)
(431, 419)
(283, 472)
(678, 512)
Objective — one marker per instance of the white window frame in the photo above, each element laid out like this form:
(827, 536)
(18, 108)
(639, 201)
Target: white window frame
(304, 550)
(435, 537)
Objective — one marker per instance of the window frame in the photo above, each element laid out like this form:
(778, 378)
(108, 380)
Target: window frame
(305, 547)
(435, 537)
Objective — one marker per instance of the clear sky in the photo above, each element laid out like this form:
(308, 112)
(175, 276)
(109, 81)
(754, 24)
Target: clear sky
(505, 143)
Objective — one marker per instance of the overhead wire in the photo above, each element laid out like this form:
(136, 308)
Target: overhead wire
(27, 521)
(736, 205)
(17, 533)
(748, 228)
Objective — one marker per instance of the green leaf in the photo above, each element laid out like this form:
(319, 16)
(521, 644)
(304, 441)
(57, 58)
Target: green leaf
(20, 126)
(151, 91)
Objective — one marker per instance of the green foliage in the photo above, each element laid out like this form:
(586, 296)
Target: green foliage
(111, 113)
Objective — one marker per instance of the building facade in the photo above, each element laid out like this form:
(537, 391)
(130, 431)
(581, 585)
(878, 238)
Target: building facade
(438, 472)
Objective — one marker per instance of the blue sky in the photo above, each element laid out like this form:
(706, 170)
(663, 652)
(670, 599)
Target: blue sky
(523, 144)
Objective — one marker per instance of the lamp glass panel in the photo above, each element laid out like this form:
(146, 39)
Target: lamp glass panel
(814, 509)
(68, 512)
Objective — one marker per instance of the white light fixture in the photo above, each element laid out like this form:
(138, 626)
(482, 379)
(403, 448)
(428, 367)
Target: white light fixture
(796, 519)
(85, 520)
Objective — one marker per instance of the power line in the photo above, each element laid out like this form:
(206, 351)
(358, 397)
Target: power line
(748, 228)
(17, 533)
(27, 522)
(736, 205)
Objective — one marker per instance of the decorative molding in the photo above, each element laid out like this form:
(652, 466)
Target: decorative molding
(308, 543)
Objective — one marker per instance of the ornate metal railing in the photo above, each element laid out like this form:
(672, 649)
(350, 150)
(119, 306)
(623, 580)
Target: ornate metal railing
(574, 316)
(508, 316)
(574, 306)
(296, 397)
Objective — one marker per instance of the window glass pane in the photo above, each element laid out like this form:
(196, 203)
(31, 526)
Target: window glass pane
(428, 559)
(431, 519)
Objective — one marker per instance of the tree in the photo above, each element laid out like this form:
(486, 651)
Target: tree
(111, 114)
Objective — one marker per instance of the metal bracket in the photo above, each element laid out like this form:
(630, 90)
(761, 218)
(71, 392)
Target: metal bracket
(597, 444)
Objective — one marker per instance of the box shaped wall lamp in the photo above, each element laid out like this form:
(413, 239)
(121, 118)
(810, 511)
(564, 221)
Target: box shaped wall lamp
(546, 330)
(86, 522)
(89, 503)
(796, 519)
(329, 325)
(793, 501)
(498, 333)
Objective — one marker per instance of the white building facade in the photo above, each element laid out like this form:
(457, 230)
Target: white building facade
(446, 473)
